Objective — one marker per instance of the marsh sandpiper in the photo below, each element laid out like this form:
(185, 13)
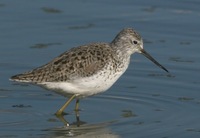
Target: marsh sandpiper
(88, 69)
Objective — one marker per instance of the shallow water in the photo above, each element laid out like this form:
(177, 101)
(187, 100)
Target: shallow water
(145, 102)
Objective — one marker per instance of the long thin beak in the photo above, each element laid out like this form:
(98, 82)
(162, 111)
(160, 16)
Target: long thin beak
(143, 52)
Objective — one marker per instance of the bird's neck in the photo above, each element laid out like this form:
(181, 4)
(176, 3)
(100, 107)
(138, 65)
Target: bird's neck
(120, 55)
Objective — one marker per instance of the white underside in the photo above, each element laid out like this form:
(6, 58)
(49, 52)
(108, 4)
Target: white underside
(85, 86)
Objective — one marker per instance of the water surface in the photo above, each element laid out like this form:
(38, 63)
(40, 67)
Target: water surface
(145, 102)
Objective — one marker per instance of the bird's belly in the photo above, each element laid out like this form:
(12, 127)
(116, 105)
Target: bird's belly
(84, 86)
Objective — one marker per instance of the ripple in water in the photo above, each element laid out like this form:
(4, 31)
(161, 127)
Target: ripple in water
(150, 114)
(138, 115)
(123, 114)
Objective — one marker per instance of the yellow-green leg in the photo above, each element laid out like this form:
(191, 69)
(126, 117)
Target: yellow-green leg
(60, 111)
(77, 105)
(77, 111)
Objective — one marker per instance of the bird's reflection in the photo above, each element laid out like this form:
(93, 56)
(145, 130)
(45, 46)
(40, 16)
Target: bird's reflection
(81, 129)
(77, 123)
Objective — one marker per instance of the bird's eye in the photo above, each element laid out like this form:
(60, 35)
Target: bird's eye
(135, 42)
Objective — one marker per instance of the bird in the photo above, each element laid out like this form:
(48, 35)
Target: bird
(88, 69)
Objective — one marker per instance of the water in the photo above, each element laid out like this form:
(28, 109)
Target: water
(145, 102)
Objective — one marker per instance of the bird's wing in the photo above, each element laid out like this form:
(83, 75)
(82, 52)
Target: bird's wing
(78, 62)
